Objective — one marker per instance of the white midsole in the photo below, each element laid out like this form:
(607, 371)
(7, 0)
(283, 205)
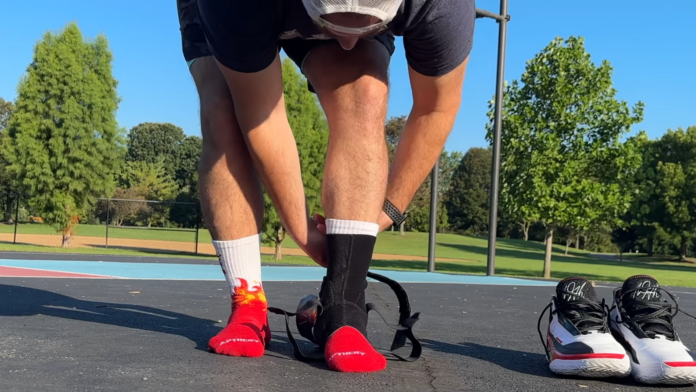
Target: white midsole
(594, 367)
(659, 373)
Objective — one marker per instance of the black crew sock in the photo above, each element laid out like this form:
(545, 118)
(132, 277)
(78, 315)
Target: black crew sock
(343, 289)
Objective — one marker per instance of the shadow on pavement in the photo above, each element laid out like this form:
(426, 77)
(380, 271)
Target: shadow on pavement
(25, 301)
(17, 301)
(517, 361)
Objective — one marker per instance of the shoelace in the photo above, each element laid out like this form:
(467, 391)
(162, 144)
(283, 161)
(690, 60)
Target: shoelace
(651, 322)
(584, 314)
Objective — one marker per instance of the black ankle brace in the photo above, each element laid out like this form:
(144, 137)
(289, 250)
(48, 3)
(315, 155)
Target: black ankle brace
(343, 291)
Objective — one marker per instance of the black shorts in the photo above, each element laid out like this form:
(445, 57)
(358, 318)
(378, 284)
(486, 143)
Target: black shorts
(193, 41)
(195, 45)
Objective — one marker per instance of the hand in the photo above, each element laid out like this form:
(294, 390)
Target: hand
(321, 223)
(384, 222)
(315, 247)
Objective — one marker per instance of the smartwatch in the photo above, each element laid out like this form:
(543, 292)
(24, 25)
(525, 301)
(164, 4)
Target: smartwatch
(393, 213)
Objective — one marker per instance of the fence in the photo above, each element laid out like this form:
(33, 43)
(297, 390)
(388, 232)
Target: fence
(148, 226)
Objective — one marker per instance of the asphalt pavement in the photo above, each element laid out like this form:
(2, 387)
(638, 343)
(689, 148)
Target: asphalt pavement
(151, 335)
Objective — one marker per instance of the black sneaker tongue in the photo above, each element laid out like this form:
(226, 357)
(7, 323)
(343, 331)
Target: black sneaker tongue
(571, 289)
(645, 287)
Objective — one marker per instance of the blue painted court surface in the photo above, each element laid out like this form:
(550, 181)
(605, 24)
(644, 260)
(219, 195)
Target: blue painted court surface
(159, 271)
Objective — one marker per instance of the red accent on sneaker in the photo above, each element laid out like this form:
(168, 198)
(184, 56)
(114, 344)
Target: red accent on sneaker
(575, 357)
(680, 364)
(347, 350)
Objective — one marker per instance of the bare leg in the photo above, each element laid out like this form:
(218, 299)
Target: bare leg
(229, 186)
(232, 203)
(352, 88)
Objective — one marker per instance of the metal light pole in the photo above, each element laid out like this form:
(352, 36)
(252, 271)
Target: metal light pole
(433, 216)
(502, 20)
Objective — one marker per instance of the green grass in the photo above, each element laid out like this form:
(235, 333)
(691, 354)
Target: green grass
(655, 258)
(153, 233)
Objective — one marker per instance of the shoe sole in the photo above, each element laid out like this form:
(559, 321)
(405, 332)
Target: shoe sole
(593, 367)
(664, 374)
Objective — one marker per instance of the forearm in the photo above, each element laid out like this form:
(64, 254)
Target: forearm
(419, 147)
(436, 102)
(260, 108)
(273, 149)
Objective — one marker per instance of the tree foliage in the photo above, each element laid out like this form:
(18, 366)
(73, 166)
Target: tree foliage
(149, 142)
(127, 208)
(667, 186)
(563, 162)
(6, 109)
(418, 211)
(62, 138)
(149, 180)
(6, 200)
(188, 155)
(468, 197)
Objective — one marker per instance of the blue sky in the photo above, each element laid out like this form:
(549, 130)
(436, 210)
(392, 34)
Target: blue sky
(650, 48)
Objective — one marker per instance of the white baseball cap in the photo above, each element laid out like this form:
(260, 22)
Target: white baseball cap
(385, 10)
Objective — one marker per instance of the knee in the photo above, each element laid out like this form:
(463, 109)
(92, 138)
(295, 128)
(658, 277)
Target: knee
(357, 110)
(366, 97)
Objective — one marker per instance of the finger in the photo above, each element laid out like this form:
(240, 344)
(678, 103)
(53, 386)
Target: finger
(322, 228)
(319, 219)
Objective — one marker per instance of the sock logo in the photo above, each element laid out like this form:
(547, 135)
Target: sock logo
(646, 292)
(238, 340)
(575, 290)
(346, 353)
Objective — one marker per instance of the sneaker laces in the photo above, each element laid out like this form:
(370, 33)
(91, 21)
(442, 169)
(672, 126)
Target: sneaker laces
(585, 315)
(653, 318)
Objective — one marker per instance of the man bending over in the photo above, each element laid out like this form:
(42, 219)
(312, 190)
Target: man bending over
(343, 47)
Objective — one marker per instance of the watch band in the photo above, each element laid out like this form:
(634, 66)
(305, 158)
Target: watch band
(393, 213)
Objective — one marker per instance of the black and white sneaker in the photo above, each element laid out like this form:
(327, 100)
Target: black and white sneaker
(578, 340)
(641, 320)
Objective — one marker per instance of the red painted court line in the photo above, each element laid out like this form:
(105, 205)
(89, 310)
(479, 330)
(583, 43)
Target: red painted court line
(16, 272)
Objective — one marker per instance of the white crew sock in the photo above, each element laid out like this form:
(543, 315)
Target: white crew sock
(338, 226)
(240, 259)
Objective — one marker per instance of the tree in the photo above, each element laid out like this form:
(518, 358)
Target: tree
(468, 200)
(125, 209)
(418, 211)
(641, 219)
(148, 142)
(448, 164)
(150, 181)
(6, 109)
(563, 162)
(675, 185)
(188, 156)
(392, 132)
(309, 127)
(61, 142)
